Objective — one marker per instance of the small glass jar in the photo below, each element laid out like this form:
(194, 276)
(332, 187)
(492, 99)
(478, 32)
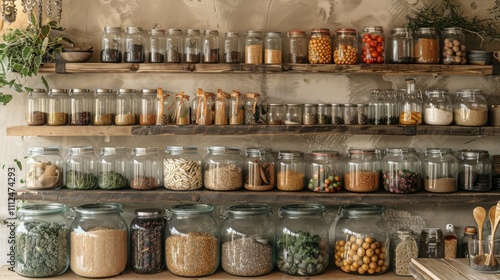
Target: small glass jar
(402, 46)
(223, 168)
(402, 171)
(104, 107)
(297, 43)
(236, 108)
(81, 107)
(232, 47)
(37, 107)
(427, 46)
(126, 107)
(260, 169)
(275, 114)
(253, 47)
(145, 169)
(404, 249)
(210, 46)
(99, 241)
(376, 107)
(182, 168)
(450, 242)
(202, 108)
(362, 171)
(320, 46)
(247, 240)
(293, 114)
(81, 168)
(162, 108)
(337, 113)
(470, 108)
(182, 108)
(192, 240)
(42, 240)
(273, 48)
(350, 113)
(192, 46)
(221, 116)
(111, 44)
(440, 170)
(44, 168)
(58, 107)
(346, 47)
(325, 171)
(373, 45)
(438, 108)
(147, 107)
(298, 223)
(310, 115)
(173, 46)
(474, 170)
(391, 103)
(362, 113)
(147, 239)
(324, 114)
(454, 46)
(494, 115)
(134, 45)
(113, 168)
(470, 232)
(156, 46)
(411, 105)
(431, 243)
(291, 171)
(252, 108)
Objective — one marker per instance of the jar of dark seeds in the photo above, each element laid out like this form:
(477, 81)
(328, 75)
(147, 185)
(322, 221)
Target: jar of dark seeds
(210, 46)
(37, 107)
(104, 107)
(291, 171)
(174, 46)
(337, 113)
(58, 107)
(113, 168)
(474, 170)
(310, 115)
(324, 114)
(145, 169)
(404, 249)
(81, 168)
(81, 106)
(260, 169)
(232, 47)
(192, 46)
(134, 45)
(362, 113)
(156, 46)
(223, 168)
(182, 168)
(111, 45)
(247, 240)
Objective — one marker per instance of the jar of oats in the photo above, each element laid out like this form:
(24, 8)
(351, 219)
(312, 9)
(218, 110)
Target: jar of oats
(362, 171)
(291, 171)
(320, 46)
(223, 168)
(470, 108)
(126, 107)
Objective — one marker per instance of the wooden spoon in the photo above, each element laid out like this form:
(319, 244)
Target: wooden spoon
(490, 260)
(480, 215)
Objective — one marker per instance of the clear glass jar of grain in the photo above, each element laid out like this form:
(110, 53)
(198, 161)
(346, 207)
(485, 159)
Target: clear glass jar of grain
(37, 107)
(113, 168)
(362, 171)
(438, 108)
(273, 48)
(325, 171)
(104, 107)
(236, 108)
(147, 106)
(470, 108)
(404, 249)
(223, 168)
(145, 169)
(126, 107)
(260, 169)
(58, 107)
(291, 171)
(44, 168)
(182, 168)
(81, 168)
(253, 47)
(440, 170)
(247, 240)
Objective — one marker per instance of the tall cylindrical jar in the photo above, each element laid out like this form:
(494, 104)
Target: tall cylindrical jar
(373, 45)
(223, 168)
(273, 48)
(210, 46)
(474, 170)
(320, 46)
(156, 46)
(337, 113)
(438, 108)
(58, 107)
(411, 105)
(232, 48)
(192, 46)
(391, 103)
(182, 168)
(260, 169)
(440, 170)
(37, 107)
(253, 47)
(113, 168)
(81, 168)
(236, 108)
(350, 113)
(44, 168)
(275, 114)
(182, 108)
(147, 106)
(221, 111)
(104, 107)
(454, 46)
(404, 249)
(126, 107)
(252, 108)
(376, 107)
(291, 171)
(145, 169)
(362, 171)
(80, 106)
(427, 46)
(173, 41)
(134, 47)
(470, 108)
(402, 171)
(325, 171)
(297, 44)
(401, 46)
(346, 46)
(111, 44)
(163, 108)
(202, 108)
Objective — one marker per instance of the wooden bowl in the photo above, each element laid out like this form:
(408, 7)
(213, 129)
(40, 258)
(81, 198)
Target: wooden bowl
(76, 56)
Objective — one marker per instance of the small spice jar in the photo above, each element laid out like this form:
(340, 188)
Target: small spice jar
(163, 110)
(210, 46)
(320, 46)
(192, 46)
(236, 108)
(291, 171)
(438, 108)
(247, 240)
(474, 170)
(113, 168)
(275, 114)
(346, 46)
(182, 109)
(260, 169)
(81, 168)
(147, 239)
(182, 168)
(126, 107)
(411, 105)
(470, 108)
(293, 114)
(193, 231)
(81, 107)
(404, 249)
(431, 243)
(362, 113)
(273, 48)
(427, 46)
(223, 168)
(391, 103)
(145, 169)
(337, 113)
(221, 107)
(252, 108)
(202, 108)
(37, 107)
(232, 47)
(325, 171)
(253, 47)
(58, 107)
(42, 240)
(99, 245)
(376, 107)
(324, 114)
(134, 46)
(350, 113)
(402, 46)
(440, 170)
(111, 44)
(156, 46)
(147, 104)
(104, 107)
(372, 45)
(454, 46)
(402, 171)
(362, 171)
(310, 115)
(173, 41)
(297, 43)
(44, 168)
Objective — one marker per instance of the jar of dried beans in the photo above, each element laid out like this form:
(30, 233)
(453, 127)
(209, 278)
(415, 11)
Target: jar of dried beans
(145, 169)
(236, 108)
(325, 171)
(44, 168)
(438, 108)
(81, 168)
(454, 46)
(427, 46)
(320, 46)
(470, 108)
(156, 46)
(273, 48)
(147, 107)
(291, 171)
(58, 107)
(474, 170)
(192, 46)
(404, 249)
(253, 47)
(182, 168)
(260, 169)
(297, 42)
(373, 45)
(346, 47)
(362, 171)
(223, 168)
(104, 107)
(111, 44)
(81, 106)
(221, 111)
(232, 47)
(402, 171)
(37, 107)
(113, 168)
(134, 45)
(440, 170)
(210, 46)
(126, 107)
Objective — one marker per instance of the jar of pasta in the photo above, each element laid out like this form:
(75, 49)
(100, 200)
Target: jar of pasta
(291, 171)
(182, 168)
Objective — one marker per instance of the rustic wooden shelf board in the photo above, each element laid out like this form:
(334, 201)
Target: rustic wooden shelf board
(88, 130)
(444, 269)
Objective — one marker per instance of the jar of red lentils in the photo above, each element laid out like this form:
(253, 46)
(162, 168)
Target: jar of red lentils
(372, 45)
(320, 46)
(346, 47)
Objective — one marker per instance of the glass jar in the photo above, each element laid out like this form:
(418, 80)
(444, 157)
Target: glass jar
(126, 107)
(474, 170)
(302, 235)
(404, 249)
(362, 113)
(162, 108)
(346, 47)
(37, 107)
(337, 113)
(297, 43)
(192, 46)
(223, 168)
(156, 46)
(350, 113)
(145, 169)
(470, 232)
(182, 109)
(99, 245)
(173, 46)
(210, 46)
(320, 46)
(236, 108)
(310, 115)
(147, 112)
(293, 114)
(291, 171)
(372, 45)
(494, 115)
(324, 114)
(81, 107)
(113, 168)
(325, 171)
(147, 237)
(253, 47)
(247, 240)
(260, 169)
(111, 44)
(221, 116)
(362, 171)
(134, 45)
(450, 242)
(104, 107)
(431, 243)
(252, 108)
(411, 105)
(363, 226)
(232, 47)
(81, 168)
(41, 239)
(438, 109)
(427, 46)
(192, 240)
(44, 168)
(402, 46)
(440, 170)
(391, 103)
(454, 46)
(402, 171)
(470, 108)
(182, 168)
(202, 108)
(376, 107)
(273, 48)
(58, 107)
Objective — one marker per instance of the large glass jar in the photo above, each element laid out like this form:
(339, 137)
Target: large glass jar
(44, 168)
(99, 245)
(182, 108)
(247, 240)
(133, 45)
(210, 46)
(293, 114)
(273, 48)
(192, 46)
(291, 171)
(182, 168)
(163, 108)
(156, 46)
(104, 107)
(372, 45)
(325, 171)
(402, 46)
(438, 108)
(173, 46)
(192, 240)
(147, 107)
(145, 169)
(440, 170)
(362, 230)
(81, 107)
(260, 169)
(297, 43)
(431, 243)
(111, 44)
(58, 107)
(202, 108)
(427, 46)
(320, 46)
(236, 108)
(223, 168)
(126, 107)
(113, 168)
(37, 107)
(474, 170)
(41, 239)
(454, 46)
(402, 171)
(275, 114)
(232, 47)
(221, 105)
(252, 108)
(411, 105)
(346, 47)
(302, 240)
(362, 171)
(404, 249)
(253, 47)
(81, 168)
(470, 108)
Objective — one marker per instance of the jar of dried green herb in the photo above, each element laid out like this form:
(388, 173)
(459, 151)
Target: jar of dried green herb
(113, 168)
(81, 168)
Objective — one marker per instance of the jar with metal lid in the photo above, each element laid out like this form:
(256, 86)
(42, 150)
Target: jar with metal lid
(350, 113)
(147, 106)
(363, 226)
(297, 43)
(373, 45)
(454, 46)
(232, 47)
(320, 46)
(37, 107)
(438, 108)
(221, 105)
(431, 243)
(126, 107)
(99, 240)
(202, 108)
(411, 105)
(469, 233)
(404, 249)
(173, 41)
(44, 168)
(145, 169)
(81, 168)
(223, 168)
(163, 109)
(402, 171)
(104, 107)
(253, 47)
(247, 240)
(427, 46)
(182, 168)
(346, 46)
(156, 46)
(192, 240)
(310, 115)
(470, 108)
(42, 240)
(362, 113)
(324, 114)
(273, 48)
(275, 114)
(111, 44)
(260, 169)
(392, 110)
(192, 46)
(440, 170)
(58, 107)
(113, 168)
(147, 241)
(252, 108)
(474, 170)
(337, 113)
(134, 47)
(81, 106)
(362, 171)
(210, 46)
(302, 239)
(402, 46)
(376, 107)
(182, 108)
(293, 114)
(291, 171)
(236, 108)
(325, 171)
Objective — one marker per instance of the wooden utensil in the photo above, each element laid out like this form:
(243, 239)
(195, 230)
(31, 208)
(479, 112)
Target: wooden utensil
(490, 259)
(480, 215)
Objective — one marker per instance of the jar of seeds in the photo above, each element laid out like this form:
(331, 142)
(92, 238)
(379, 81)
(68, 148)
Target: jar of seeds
(404, 249)
(253, 47)
(337, 113)
(156, 46)
(126, 107)
(113, 168)
(145, 169)
(223, 168)
(310, 115)
(236, 108)
(272, 48)
(362, 113)
(58, 107)
(163, 110)
(44, 168)
(173, 46)
(221, 107)
(182, 168)
(134, 45)
(81, 168)
(104, 107)
(325, 171)
(350, 113)
(291, 171)
(259, 169)
(362, 171)
(111, 45)
(37, 107)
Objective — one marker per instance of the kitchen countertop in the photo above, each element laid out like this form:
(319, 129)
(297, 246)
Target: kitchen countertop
(447, 269)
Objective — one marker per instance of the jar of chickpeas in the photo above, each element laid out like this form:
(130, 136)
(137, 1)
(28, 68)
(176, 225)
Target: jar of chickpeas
(320, 46)
(346, 46)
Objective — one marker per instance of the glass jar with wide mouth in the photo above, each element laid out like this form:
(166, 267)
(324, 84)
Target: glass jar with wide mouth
(260, 169)
(113, 168)
(134, 45)
(81, 106)
(221, 107)
(156, 46)
(293, 114)
(346, 47)
(145, 169)
(232, 47)
(402, 171)
(147, 106)
(111, 44)
(44, 168)
(37, 107)
(182, 168)
(173, 41)
(210, 46)
(236, 108)
(126, 107)
(310, 114)
(297, 43)
(470, 108)
(253, 47)
(81, 168)
(291, 171)
(320, 46)
(104, 107)
(58, 107)
(402, 46)
(325, 171)
(427, 46)
(474, 170)
(440, 170)
(373, 45)
(273, 48)
(362, 171)
(223, 168)
(404, 249)
(454, 46)
(438, 108)
(192, 46)
(275, 114)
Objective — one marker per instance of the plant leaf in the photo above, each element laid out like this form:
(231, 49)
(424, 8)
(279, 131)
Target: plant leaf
(19, 164)
(45, 83)
(45, 30)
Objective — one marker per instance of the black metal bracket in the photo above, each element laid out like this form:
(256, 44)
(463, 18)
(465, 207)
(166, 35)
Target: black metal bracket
(410, 130)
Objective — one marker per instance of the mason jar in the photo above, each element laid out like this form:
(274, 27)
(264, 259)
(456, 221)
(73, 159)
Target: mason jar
(111, 44)
(402, 171)
(402, 46)
(210, 46)
(260, 169)
(252, 108)
(320, 46)
(297, 43)
(404, 249)
(81, 107)
(126, 107)
(42, 240)
(202, 108)
(253, 47)
(173, 41)
(324, 114)
(362, 171)
(147, 106)
(81, 168)
(58, 107)
(310, 115)
(325, 171)
(192, 46)
(232, 47)
(440, 170)
(163, 108)
(273, 48)
(438, 108)
(293, 114)
(470, 108)
(44, 168)
(345, 46)
(182, 168)
(156, 46)
(145, 169)
(134, 47)
(182, 108)
(275, 114)
(337, 113)
(474, 170)
(113, 168)
(104, 107)
(37, 107)
(373, 45)
(454, 46)
(291, 171)
(427, 46)
(223, 168)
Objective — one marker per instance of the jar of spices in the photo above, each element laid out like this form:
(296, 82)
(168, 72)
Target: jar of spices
(236, 108)
(182, 168)
(221, 108)
(253, 47)
(134, 45)
(181, 109)
(104, 106)
(402, 171)
(37, 107)
(474, 170)
(210, 46)
(252, 108)
(223, 168)
(111, 44)
(126, 107)
(260, 169)
(99, 241)
(402, 46)
(291, 171)
(346, 46)
(320, 46)
(469, 233)
(147, 238)
(411, 105)
(454, 46)
(156, 46)
(145, 169)
(324, 114)
(272, 48)
(302, 234)
(293, 114)
(113, 168)
(202, 108)
(376, 107)
(427, 46)
(192, 46)
(58, 107)
(41, 239)
(362, 113)
(350, 113)
(81, 107)
(310, 115)
(147, 112)
(450, 242)
(173, 41)
(431, 243)
(247, 240)
(392, 110)
(363, 226)
(192, 240)
(297, 42)
(438, 109)
(81, 168)
(362, 171)
(440, 170)
(275, 114)
(44, 168)
(232, 47)
(163, 108)
(470, 108)
(404, 249)
(325, 171)
(337, 113)
(373, 45)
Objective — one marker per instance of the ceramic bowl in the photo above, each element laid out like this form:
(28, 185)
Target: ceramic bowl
(76, 56)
